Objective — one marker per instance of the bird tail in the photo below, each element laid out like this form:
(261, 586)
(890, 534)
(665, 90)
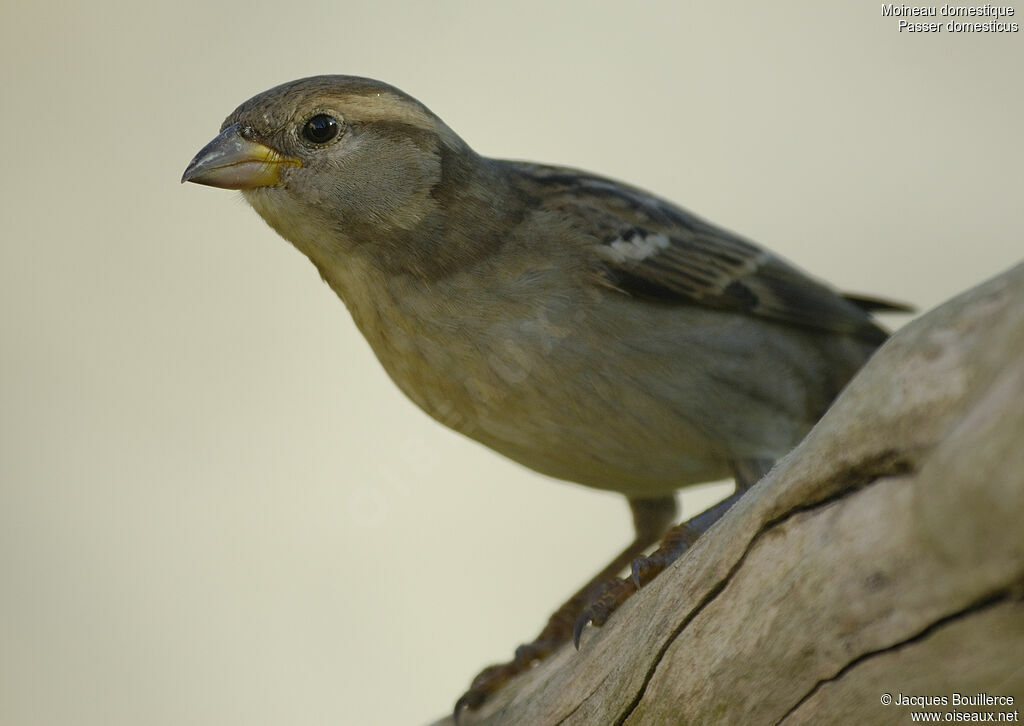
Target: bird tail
(878, 305)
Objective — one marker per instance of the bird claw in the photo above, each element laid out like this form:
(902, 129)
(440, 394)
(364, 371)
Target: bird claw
(644, 569)
(466, 700)
(489, 680)
(606, 601)
(577, 629)
(478, 692)
(493, 677)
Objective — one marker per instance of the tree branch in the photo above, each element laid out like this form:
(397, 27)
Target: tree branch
(884, 555)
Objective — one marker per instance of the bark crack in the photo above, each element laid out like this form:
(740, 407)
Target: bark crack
(853, 478)
(988, 601)
(579, 705)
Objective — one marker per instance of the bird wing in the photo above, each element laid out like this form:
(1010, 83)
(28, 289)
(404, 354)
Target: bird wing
(650, 248)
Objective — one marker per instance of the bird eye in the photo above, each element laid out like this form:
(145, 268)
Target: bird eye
(320, 129)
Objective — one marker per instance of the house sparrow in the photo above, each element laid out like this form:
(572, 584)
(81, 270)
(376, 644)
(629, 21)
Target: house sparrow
(582, 327)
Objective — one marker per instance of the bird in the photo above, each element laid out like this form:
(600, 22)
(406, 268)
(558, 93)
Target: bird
(580, 326)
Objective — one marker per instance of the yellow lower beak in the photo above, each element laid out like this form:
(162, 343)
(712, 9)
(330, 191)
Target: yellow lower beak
(231, 161)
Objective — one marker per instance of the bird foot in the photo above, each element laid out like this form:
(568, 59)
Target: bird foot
(490, 679)
(593, 604)
(493, 677)
(605, 602)
(642, 570)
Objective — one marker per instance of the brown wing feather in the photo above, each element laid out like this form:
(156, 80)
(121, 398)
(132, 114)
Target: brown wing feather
(648, 247)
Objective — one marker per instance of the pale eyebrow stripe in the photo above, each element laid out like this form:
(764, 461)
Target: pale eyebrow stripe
(386, 107)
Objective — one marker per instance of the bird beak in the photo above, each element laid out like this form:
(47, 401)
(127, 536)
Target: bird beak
(231, 161)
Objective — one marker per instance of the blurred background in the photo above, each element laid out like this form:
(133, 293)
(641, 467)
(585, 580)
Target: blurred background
(215, 508)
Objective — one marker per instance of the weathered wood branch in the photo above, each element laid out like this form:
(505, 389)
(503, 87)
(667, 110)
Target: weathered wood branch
(884, 555)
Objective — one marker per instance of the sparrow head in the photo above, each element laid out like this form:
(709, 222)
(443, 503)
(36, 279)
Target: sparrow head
(328, 156)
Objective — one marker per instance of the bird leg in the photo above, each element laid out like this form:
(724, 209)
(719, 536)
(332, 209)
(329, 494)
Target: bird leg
(680, 538)
(651, 519)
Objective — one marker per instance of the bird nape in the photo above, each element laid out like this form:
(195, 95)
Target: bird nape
(580, 326)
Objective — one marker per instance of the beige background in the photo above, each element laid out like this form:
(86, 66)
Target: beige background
(214, 507)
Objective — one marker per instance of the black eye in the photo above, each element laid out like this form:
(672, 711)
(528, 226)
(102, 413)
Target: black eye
(320, 129)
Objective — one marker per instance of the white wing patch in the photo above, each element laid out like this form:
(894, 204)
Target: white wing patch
(636, 246)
